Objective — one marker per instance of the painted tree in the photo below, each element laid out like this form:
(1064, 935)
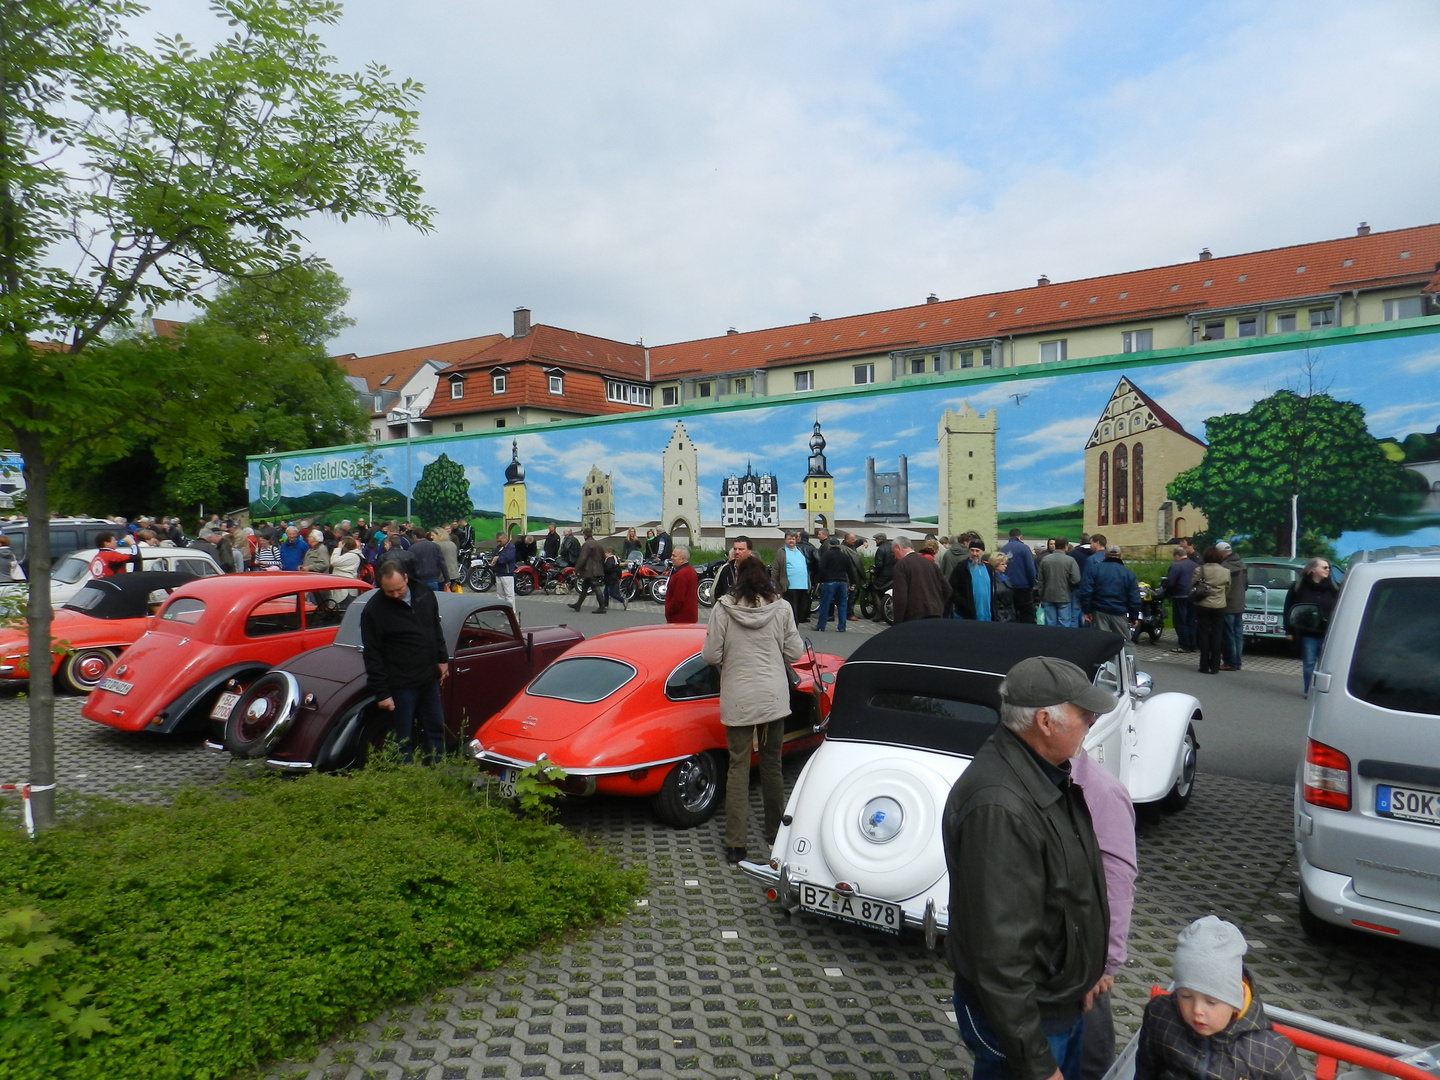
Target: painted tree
(1285, 445)
(368, 479)
(130, 178)
(443, 493)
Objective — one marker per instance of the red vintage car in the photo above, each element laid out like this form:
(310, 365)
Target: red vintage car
(637, 712)
(213, 632)
(315, 712)
(99, 622)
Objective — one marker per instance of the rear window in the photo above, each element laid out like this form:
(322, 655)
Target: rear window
(84, 600)
(583, 679)
(1394, 664)
(931, 705)
(186, 610)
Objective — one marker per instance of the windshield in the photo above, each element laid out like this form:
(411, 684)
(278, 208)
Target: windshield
(72, 569)
(583, 679)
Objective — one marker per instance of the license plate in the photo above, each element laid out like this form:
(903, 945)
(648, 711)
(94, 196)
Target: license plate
(224, 706)
(1408, 804)
(1260, 623)
(507, 782)
(116, 686)
(860, 910)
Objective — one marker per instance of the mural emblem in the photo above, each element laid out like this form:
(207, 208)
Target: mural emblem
(269, 483)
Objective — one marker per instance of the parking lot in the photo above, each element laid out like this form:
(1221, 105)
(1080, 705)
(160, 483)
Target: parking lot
(705, 978)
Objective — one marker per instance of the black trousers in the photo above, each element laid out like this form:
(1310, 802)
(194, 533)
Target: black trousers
(1024, 605)
(591, 585)
(1210, 637)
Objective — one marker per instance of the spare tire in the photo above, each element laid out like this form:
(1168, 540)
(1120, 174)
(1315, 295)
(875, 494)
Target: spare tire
(263, 714)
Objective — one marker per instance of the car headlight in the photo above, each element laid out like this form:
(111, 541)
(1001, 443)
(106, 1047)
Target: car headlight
(881, 820)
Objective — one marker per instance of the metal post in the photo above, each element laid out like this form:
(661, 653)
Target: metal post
(1294, 525)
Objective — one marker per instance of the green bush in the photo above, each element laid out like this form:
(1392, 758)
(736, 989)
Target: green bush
(238, 925)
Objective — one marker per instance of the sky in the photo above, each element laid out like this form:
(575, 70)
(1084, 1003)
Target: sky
(667, 171)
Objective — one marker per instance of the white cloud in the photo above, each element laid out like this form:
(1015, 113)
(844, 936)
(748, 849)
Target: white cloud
(1400, 420)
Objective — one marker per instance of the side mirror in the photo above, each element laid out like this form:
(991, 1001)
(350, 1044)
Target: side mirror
(1144, 685)
(1307, 619)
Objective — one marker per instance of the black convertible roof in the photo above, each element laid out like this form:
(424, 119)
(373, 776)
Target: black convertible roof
(935, 683)
(126, 596)
(455, 608)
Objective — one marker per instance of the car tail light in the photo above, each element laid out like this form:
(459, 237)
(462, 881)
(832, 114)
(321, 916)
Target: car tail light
(1326, 776)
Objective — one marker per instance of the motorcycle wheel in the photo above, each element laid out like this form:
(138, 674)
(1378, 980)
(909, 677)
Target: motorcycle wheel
(628, 588)
(867, 604)
(706, 592)
(660, 588)
(887, 609)
(482, 579)
(524, 584)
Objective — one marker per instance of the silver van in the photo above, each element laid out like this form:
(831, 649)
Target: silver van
(1367, 795)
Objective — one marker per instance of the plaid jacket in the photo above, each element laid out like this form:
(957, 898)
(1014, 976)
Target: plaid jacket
(1248, 1049)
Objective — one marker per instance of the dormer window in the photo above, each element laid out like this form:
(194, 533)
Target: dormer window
(457, 389)
(378, 407)
(497, 380)
(557, 380)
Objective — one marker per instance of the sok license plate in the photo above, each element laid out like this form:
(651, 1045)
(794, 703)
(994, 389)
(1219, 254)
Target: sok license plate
(224, 706)
(860, 910)
(507, 782)
(1408, 804)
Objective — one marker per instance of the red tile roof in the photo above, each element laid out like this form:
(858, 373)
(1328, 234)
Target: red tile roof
(527, 383)
(1377, 260)
(565, 348)
(406, 362)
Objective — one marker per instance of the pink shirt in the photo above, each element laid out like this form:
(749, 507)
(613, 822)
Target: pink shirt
(1114, 818)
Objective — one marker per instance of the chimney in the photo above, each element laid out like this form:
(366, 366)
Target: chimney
(1205, 254)
(932, 299)
(732, 330)
(814, 317)
(522, 321)
(1364, 229)
(1044, 279)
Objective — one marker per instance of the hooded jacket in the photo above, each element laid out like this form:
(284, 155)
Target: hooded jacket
(952, 556)
(1248, 1049)
(1239, 582)
(752, 647)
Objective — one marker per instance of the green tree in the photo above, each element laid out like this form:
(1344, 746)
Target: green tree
(443, 493)
(1285, 445)
(129, 178)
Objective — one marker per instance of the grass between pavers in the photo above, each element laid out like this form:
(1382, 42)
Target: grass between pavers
(242, 924)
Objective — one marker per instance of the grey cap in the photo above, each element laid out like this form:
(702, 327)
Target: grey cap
(1208, 960)
(1222, 545)
(878, 536)
(1040, 681)
(1113, 549)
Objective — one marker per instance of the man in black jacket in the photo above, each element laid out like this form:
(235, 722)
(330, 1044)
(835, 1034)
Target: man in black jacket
(405, 659)
(1029, 918)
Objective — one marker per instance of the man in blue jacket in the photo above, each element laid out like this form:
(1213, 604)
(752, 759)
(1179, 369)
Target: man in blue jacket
(1110, 594)
(292, 549)
(1020, 575)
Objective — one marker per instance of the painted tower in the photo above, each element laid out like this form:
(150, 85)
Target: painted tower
(819, 487)
(597, 503)
(967, 473)
(887, 494)
(679, 486)
(514, 496)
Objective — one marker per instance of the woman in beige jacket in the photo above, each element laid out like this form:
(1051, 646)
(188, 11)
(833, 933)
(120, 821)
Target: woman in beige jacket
(752, 639)
(1210, 609)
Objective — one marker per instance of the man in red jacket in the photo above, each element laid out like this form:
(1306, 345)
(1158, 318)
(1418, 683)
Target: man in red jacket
(682, 593)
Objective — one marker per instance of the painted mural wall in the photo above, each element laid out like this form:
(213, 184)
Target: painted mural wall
(1140, 449)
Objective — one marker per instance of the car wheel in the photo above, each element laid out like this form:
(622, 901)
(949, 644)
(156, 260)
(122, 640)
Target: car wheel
(1179, 795)
(83, 670)
(263, 714)
(692, 791)
(1316, 928)
(706, 592)
(482, 579)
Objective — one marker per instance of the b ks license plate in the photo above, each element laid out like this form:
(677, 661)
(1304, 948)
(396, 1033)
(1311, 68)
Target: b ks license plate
(116, 686)
(507, 782)
(861, 910)
(1408, 804)
(224, 706)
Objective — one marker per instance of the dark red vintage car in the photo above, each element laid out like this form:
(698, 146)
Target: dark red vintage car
(212, 635)
(314, 712)
(637, 712)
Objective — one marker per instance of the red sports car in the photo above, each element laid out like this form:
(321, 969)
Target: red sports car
(637, 712)
(100, 621)
(315, 712)
(210, 633)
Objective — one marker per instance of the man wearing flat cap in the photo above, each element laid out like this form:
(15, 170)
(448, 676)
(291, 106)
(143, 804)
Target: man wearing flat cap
(1028, 917)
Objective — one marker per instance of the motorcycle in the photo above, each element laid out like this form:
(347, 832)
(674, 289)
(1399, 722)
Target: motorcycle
(872, 599)
(1152, 614)
(480, 576)
(706, 574)
(555, 577)
(647, 574)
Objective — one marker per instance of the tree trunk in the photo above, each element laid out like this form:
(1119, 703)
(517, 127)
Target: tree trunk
(38, 616)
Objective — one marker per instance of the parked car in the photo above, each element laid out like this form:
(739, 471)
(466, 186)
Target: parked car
(860, 840)
(1367, 796)
(315, 713)
(637, 712)
(1269, 580)
(96, 625)
(72, 572)
(67, 534)
(213, 633)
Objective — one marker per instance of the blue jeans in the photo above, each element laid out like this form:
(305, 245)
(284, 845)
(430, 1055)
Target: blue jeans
(1060, 614)
(1234, 643)
(990, 1064)
(1183, 613)
(1309, 651)
(832, 592)
(420, 703)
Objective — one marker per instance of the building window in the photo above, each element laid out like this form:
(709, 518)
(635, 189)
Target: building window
(1285, 323)
(497, 384)
(459, 427)
(1052, 351)
(967, 358)
(1137, 341)
(1245, 326)
(970, 503)
(864, 373)
(1102, 502)
(457, 389)
(704, 389)
(1214, 331)
(627, 393)
(500, 422)
(1137, 482)
(804, 380)
(917, 365)
(1407, 307)
(1321, 317)
(1122, 485)
(669, 395)
(738, 386)
(379, 407)
(375, 434)
(557, 384)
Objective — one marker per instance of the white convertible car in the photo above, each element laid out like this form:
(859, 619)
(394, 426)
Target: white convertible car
(860, 840)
